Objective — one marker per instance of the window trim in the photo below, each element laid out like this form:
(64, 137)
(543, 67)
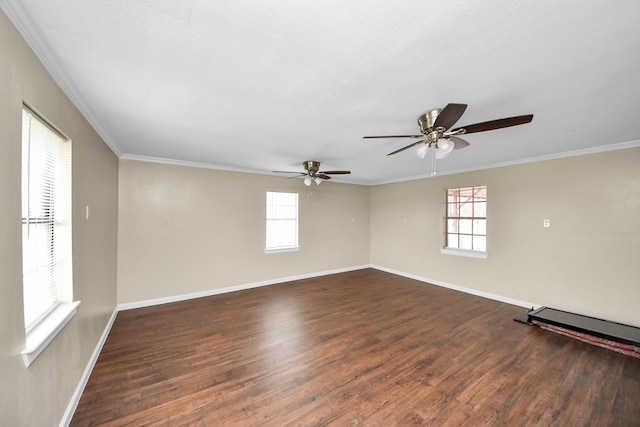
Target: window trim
(464, 252)
(39, 337)
(472, 253)
(40, 332)
(287, 248)
(282, 249)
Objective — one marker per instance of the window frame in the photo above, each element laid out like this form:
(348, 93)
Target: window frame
(273, 214)
(52, 186)
(453, 203)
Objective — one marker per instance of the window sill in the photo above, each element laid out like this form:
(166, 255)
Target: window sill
(464, 252)
(40, 337)
(280, 250)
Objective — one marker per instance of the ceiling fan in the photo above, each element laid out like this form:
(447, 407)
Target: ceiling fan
(435, 130)
(312, 173)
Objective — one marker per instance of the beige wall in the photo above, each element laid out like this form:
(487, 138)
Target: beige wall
(39, 395)
(586, 262)
(216, 232)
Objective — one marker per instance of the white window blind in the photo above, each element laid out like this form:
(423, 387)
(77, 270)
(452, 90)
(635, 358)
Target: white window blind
(46, 218)
(282, 221)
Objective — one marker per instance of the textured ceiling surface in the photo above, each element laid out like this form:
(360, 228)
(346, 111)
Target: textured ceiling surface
(261, 86)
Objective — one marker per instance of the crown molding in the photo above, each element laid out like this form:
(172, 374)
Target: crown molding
(189, 163)
(18, 15)
(574, 153)
(554, 156)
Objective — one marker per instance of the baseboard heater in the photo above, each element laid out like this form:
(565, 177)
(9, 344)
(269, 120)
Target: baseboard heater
(602, 333)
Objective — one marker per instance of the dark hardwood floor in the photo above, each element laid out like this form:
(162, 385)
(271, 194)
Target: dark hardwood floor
(360, 348)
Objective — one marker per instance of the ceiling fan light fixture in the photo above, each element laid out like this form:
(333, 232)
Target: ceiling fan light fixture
(318, 180)
(421, 150)
(444, 147)
(307, 181)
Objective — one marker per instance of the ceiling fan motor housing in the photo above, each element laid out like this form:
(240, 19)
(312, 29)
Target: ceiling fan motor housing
(311, 166)
(428, 119)
(426, 122)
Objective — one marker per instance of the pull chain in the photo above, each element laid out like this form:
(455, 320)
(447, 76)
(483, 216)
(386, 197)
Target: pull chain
(433, 162)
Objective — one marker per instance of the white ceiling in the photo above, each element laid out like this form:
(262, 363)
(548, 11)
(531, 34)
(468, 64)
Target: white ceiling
(264, 85)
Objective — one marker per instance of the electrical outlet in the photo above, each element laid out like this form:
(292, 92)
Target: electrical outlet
(546, 223)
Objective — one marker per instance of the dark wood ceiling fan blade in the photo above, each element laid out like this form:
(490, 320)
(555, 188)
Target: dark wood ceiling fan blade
(405, 148)
(496, 124)
(297, 174)
(393, 136)
(323, 176)
(449, 115)
(458, 143)
(335, 172)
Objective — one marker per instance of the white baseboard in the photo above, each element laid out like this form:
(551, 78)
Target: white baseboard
(75, 399)
(210, 292)
(471, 291)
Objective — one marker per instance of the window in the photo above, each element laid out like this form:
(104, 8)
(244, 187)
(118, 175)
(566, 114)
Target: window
(282, 222)
(46, 232)
(466, 219)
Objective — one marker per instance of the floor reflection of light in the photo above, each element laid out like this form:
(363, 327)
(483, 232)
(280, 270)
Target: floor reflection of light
(281, 326)
(282, 340)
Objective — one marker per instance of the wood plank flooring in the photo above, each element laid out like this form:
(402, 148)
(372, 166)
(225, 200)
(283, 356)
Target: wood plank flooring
(359, 348)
